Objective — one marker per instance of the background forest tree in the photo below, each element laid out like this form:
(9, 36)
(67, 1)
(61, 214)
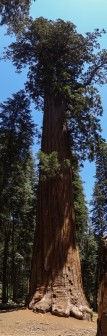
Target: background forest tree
(17, 198)
(99, 201)
(88, 246)
(99, 206)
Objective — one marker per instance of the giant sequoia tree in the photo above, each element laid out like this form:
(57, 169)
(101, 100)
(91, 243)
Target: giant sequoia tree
(63, 67)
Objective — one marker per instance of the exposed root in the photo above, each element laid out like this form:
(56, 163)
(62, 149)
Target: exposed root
(44, 305)
(75, 311)
(87, 313)
(58, 302)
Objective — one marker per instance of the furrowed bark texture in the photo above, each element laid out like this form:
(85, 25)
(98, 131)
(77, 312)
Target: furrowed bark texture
(102, 294)
(56, 284)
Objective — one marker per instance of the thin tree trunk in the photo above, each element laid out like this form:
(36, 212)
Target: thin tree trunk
(56, 283)
(14, 286)
(5, 270)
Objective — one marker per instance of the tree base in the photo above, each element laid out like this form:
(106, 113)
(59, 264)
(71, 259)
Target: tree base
(58, 302)
(62, 292)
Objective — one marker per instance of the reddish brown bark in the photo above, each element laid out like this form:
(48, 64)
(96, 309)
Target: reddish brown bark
(102, 293)
(56, 274)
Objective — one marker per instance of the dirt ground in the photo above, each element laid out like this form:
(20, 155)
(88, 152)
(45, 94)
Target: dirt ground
(24, 322)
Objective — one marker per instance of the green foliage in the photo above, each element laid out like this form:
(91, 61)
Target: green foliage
(81, 210)
(17, 221)
(88, 246)
(87, 243)
(16, 128)
(50, 165)
(99, 203)
(18, 195)
(14, 13)
(99, 200)
(89, 252)
(66, 65)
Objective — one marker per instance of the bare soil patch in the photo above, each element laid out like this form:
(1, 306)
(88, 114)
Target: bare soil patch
(24, 322)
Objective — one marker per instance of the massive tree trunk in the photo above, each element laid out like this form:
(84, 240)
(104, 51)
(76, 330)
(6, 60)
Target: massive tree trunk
(102, 293)
(56, 283)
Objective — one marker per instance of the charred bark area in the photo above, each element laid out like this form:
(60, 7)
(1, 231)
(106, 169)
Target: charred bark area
(56, 283)
(102, 293)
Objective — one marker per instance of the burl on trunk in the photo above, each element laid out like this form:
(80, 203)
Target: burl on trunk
(102, 293)
(56, 283)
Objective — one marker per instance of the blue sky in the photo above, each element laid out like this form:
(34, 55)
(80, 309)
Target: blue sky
(86, 15)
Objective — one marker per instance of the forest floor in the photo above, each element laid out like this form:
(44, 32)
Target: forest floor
(23, 322)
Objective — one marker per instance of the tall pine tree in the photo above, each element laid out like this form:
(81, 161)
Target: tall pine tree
(99, 204)
(99, 200)
(17, 197)
(80, 206)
